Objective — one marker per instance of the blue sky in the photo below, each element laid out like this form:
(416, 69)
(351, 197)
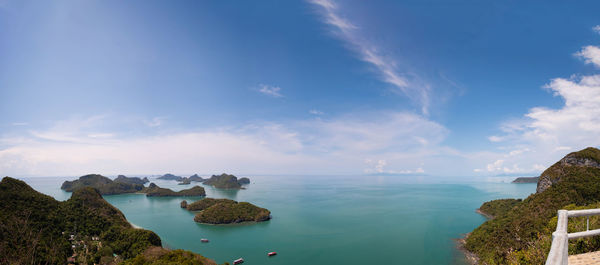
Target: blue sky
(444, 88)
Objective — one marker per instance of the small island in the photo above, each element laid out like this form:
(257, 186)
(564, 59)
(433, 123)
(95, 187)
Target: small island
(106, 186)
(226, 181)
(154, 190)
(196, 178)
(520, 180)
(132, 180)
(170, 176)
(225, 211)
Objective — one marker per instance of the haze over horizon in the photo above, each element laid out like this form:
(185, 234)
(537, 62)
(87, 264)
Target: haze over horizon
(306, 87)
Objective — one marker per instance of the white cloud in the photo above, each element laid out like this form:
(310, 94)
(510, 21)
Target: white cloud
(335, 146)
(315, 112)
(545, 135)
(155, 122)
(19, 124)
(403, 82)
(272, 91)
(596, 29)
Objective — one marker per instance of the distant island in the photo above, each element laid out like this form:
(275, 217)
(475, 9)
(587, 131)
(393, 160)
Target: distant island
(526, 180)
(155, 191)
(103, 184)
(37, 229)
(226, 181)
(132, 180)
(225, 211)
(170, 176)
(520, 231)
(106, 186)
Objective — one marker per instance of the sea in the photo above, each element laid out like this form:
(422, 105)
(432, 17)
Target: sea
(322, 219)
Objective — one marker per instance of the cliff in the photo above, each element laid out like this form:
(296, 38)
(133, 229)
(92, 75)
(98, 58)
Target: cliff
(589, 158)
(521, 232)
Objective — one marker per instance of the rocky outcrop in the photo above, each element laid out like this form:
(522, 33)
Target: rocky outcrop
(589, 157)
(183, 204)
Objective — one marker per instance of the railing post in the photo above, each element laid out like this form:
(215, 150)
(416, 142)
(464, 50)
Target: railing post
(559, 251)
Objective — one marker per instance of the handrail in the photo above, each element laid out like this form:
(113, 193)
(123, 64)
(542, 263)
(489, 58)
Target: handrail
(559, 250)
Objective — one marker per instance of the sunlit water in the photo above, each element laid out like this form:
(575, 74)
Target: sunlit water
(321, 220)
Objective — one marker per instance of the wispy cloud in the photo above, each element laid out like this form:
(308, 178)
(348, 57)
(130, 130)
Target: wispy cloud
(19, 124)
(590, 54)
(315, 112)
(596, 29)
(155, 122)
(404, 82)
(273, 91)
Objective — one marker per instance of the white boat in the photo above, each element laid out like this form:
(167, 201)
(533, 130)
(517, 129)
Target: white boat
(204, 240)
(238, 261)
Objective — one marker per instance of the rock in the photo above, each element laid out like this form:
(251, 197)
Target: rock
(589, 157)
(244, 181)
(184, 204)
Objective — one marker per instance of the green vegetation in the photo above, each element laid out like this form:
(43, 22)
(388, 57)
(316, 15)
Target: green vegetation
(224, 211)
(523, 234)
(226, 181)
(244, 181)
(103, 184)
(132, 180)
(498, 207)
(161, 256)
(205, 203)
(155, 191)
(196, 178)
(37, 229)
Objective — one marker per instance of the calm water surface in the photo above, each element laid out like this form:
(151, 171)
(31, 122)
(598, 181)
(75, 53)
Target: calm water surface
(321, 220)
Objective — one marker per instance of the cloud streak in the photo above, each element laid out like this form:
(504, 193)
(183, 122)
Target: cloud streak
(273, 91)
(403, 83)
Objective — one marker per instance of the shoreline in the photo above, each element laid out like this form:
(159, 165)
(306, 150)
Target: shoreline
(470, 257)
(488, 216)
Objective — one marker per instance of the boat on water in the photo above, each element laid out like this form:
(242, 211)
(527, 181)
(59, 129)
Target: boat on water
(271, 253)
(238, 261)
(204, 240)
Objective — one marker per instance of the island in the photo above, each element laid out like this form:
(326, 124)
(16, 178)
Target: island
(37, 229)
(185, 181)
(170, 176)
(526, 180)
(154, 190)
(103, 184)
(226, 181)
(132, 180)
(520, 231)
(106, 186)
(195, 178)
(225, 211)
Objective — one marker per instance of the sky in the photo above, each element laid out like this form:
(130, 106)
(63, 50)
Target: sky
(315, 87)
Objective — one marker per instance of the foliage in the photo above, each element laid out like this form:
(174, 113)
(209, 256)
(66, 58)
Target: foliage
(131, 180)
(226, 212)
(154, 190)
(161, 256)
(205, 203)
(103, 184)
(223, 181)
(498, 207)
(522, 235)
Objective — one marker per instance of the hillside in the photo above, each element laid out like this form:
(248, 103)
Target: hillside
(521, 233)
(526, 180)
(226, 181)
(37, 229)
(225, 211)
(103, 184)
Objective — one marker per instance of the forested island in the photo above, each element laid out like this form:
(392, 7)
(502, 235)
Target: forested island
(37, 229)
(526, 180)
(106, 186)
(226, 181)
(225, 211)
(520, 231)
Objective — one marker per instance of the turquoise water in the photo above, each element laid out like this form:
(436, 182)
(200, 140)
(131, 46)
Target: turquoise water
(322, 220)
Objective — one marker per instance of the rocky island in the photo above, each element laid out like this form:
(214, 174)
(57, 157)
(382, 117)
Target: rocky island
(225, 211)
(85, 229)
(520, 231)
(132, 180)
(103, 184)
(155, 191)
(170, 176)
(226, 181)
(106, 186)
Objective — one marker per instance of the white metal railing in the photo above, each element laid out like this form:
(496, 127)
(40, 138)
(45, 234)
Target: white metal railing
(559, 251)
